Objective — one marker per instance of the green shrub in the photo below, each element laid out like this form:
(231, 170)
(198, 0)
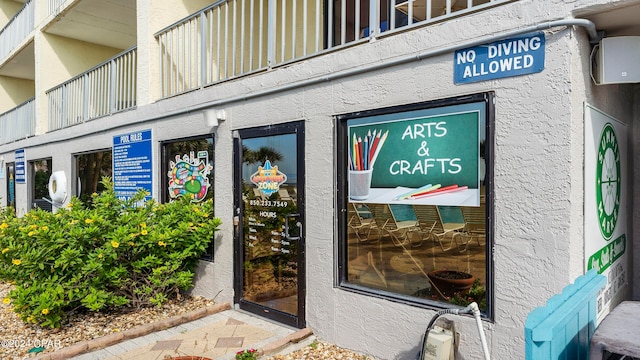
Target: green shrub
(109, 254)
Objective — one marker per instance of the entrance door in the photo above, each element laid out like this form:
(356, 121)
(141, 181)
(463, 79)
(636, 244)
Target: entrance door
(269, 203)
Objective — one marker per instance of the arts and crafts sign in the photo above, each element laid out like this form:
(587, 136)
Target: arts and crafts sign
(606, 184)
(416, 155)
(505, 58)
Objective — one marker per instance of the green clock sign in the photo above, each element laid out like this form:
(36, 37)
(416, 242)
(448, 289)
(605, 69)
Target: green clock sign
(608, 181)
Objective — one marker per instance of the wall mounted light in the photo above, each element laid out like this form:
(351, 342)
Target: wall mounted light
(213, 117)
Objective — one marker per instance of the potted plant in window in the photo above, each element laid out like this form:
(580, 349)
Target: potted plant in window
(451, 281)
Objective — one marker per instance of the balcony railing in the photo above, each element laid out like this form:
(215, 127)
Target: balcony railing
(54, 5)
(18, 28)
(18, 123)
(233, 38)
(107, 88)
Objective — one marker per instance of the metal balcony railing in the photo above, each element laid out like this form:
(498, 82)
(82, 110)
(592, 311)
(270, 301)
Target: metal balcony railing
(233, 38)
(107, 88)
(18, 28)
(54, 6)
(19, 122)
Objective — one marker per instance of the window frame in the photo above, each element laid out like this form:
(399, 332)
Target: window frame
(75, 170)
(342, 198)
(164, 181)
(31, 174)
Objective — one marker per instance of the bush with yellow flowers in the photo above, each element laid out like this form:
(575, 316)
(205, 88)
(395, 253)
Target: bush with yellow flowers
(109, 254)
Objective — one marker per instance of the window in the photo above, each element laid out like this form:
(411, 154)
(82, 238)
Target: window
(90, 169)
(416, 201)
(40, 171)
(187, 165)
(11, 185)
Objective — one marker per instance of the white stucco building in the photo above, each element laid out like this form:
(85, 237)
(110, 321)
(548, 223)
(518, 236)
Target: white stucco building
(498, 98)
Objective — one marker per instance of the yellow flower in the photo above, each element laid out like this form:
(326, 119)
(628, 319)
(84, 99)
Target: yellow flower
(133, 235)
(4, 225)
(190, 224)
(5, 250)
(69, 206)
(115, 244)
(162, 243)
(73, 222)
(99, 256)
(45, 228)
(94, 194)
(131, 243)
(34, 226)
(31, 233)
(143, 225)
(143, 232)
(30, 318)
(45, 311)
(16, 261)
(88, 221)
(6, 301)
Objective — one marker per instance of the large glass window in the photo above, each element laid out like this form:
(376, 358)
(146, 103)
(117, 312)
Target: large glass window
(90, 169)
(40, 171)
(416, 202)
(188, 168)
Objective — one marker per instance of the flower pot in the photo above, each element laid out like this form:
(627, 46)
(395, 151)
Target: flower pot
(451, 281)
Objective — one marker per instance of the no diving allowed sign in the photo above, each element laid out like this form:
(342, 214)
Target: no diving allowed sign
(505, 58)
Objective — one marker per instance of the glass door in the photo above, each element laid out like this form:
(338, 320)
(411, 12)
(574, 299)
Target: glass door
(269, 222)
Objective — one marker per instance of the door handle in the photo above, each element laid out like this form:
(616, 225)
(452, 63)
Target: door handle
(287, 235)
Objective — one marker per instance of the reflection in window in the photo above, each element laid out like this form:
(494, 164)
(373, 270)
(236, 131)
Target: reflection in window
(90, 169)
(11, 185)
(41, 172)
(188, 165)
(416, 223)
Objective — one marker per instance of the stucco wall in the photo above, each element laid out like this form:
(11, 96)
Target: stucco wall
(538, 168)
(14, 91)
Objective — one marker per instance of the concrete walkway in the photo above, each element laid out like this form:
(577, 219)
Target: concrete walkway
(216, 333)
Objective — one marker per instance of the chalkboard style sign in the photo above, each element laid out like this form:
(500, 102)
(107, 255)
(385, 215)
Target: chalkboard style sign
(417, 154)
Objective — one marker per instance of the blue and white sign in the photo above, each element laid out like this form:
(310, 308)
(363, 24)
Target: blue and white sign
(21, 169)
(132, 165)
(505, 58)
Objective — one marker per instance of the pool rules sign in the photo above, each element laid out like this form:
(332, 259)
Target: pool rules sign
(505, 58)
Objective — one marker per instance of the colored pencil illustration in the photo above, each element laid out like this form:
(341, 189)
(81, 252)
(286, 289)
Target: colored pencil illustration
(364, 150)
(439, 192)
(412, 192)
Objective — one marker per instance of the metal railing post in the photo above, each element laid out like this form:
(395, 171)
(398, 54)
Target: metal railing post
(85, 98)
(374, 19)
(113, 86)
(63, 106)
(271, 34)
(203, 49)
